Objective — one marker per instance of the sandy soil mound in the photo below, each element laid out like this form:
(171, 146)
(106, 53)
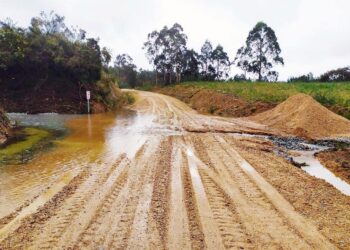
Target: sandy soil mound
(4, 126)
(301, 115)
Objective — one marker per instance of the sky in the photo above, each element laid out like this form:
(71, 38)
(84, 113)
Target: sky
(314, 35)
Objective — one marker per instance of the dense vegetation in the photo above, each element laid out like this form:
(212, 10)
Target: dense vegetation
(48, 66)
(333, 95)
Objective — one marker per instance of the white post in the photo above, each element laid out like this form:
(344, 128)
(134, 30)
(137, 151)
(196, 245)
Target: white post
(88, 95)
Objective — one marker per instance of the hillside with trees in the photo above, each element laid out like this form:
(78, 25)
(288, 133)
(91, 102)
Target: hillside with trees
(48, 66)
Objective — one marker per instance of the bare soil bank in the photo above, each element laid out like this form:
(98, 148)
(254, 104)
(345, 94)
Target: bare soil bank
(337, 161)
(299, 115)
(213, 102)
(4, 127)
(61, 98)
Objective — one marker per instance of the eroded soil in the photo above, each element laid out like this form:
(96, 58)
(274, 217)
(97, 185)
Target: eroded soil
(338, 161)
(189, 184)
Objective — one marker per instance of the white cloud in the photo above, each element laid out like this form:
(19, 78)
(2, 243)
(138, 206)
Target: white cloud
(313, 34)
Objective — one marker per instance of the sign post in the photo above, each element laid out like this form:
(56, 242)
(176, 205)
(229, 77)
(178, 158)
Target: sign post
(88, 96)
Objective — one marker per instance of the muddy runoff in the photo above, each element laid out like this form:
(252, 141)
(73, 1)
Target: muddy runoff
(165, 177)
(82, 140)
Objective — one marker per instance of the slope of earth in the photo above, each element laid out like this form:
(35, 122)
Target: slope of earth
(301, 115)
(62, 97)
(337, 161)
(186, 185)
(335, 96)
(213, 102)
(4, 127)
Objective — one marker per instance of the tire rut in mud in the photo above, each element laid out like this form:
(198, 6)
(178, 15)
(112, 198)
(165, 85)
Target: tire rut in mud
(161, 190)
(195, 228)
(231, 227)
(271, 228)
(29, 226)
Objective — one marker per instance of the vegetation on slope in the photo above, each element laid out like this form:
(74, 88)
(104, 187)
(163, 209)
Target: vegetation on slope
(335, 96)
(47, 67)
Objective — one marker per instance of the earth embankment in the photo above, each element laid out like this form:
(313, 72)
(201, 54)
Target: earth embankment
(213, 102)
(4, 126)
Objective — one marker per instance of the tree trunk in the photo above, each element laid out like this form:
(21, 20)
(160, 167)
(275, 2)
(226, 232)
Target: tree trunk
(156, 78)
(260, 59)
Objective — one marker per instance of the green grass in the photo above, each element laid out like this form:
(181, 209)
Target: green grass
(129, 98)
(328, 94)
(32, 136)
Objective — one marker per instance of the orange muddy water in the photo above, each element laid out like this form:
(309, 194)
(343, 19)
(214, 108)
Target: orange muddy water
(88, 142)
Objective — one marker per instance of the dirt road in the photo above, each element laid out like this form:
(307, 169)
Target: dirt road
(183, 182)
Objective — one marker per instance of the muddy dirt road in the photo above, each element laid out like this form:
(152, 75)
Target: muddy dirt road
(182, 182)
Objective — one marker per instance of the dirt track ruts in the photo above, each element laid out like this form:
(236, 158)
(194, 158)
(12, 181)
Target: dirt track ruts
(182, 190)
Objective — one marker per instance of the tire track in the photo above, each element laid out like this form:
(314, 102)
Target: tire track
(94, 228)
(178, 229)
(133, 224)
(31, 224)
(209, 226)
(77, 211)
(161, 190)
(269, 227)
(230, 225)
(272, 223)
(301, 225)
(196, 232)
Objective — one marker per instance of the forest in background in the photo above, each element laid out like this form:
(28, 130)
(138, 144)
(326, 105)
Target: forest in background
(48, 66)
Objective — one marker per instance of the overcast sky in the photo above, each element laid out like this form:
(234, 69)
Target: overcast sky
(314, 35)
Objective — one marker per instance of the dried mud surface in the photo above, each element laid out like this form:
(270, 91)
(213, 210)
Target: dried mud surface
(189, 186)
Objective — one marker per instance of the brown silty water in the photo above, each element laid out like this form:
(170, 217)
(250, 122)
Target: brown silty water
(86, 144)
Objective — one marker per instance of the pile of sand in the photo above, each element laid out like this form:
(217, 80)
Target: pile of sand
(301, 115)
(4, 126)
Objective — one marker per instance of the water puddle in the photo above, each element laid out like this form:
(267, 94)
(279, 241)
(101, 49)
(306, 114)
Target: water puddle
(315, 168)
(91, 139)
(85, 144)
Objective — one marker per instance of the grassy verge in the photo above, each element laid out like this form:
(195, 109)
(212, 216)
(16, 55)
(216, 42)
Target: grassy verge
(24, 144)
(335, 96)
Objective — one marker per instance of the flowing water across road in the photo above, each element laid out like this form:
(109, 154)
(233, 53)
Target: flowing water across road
(159, 177)
(85, 143)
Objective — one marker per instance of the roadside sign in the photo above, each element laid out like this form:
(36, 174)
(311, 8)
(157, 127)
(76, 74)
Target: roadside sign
(88, 96)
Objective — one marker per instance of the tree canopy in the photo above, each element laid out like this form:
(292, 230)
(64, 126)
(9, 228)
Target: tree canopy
(48, 49)
(260, 53)
(165, 50)
(48, 58)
